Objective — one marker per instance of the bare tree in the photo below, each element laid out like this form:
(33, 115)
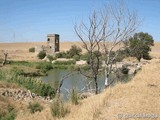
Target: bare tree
(58, 90)
(91, 35)
(121, 24)
(106, 32)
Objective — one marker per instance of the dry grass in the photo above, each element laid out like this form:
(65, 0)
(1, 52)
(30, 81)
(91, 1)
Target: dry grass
(19, 51)
(140, 96)
(4, 84)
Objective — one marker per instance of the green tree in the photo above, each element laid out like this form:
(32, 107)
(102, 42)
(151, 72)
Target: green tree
(41, 54)
(140, 45)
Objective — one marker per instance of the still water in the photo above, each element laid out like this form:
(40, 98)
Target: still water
(77, 81)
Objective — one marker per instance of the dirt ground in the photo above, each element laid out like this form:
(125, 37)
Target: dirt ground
(19, 51)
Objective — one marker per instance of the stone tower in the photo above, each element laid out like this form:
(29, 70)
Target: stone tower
(53, 43)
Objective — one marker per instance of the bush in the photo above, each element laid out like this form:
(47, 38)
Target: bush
(74, 50)
(58, 109)
(124, 69)
(61, 55)
(34, 107)
(10, 114)
(41, 54)
(32, 49)
(44, 66)
(76, 57)
(51, 58)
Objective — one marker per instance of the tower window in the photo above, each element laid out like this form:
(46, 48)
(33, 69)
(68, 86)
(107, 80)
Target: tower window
(48, 40)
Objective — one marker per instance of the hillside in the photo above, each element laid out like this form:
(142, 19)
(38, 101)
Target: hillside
(139, 96)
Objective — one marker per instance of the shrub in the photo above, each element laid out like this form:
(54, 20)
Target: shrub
(34, 107)
(58, 109)
(76, 57)
(44, 66)
(41, 54)
(61, 55)
(8, 113)
(74, 50)
(9, 116)
(51, 58)
(32, 49)
(124, 69)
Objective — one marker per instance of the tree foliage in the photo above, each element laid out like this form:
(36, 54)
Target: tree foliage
(41, 54)
(140, 45)
(74, 50)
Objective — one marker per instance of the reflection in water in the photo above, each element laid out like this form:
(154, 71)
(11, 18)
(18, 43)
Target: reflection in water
(76, 81)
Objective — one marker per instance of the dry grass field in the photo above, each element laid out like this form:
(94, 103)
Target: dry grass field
(19, 51)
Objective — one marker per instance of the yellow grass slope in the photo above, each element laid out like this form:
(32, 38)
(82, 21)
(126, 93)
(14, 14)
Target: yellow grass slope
(140, 96)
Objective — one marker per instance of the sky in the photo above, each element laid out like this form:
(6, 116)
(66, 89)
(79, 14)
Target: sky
(32, 20)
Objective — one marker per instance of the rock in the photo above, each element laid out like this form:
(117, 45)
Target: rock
(18, 94)
(131, 71)
(81, 62)
(46, 59)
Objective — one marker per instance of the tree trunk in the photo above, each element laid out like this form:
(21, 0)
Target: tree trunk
(5, 59)
(106, 80)
(96, 85)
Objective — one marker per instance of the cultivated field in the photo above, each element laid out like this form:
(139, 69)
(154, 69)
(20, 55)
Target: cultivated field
(19, 51)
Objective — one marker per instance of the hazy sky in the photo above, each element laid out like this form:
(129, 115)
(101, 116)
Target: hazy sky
(32, 20)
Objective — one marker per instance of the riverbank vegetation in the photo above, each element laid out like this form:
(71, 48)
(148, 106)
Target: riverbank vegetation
(33, 84)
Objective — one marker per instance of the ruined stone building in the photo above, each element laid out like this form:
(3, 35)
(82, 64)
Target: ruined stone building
(52, 45)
